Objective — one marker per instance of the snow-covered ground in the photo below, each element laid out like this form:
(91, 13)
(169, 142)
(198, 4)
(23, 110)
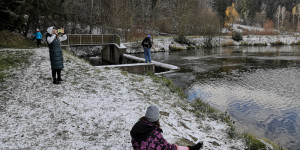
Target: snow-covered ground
(239, 27)
(250, 39)
(94, 109)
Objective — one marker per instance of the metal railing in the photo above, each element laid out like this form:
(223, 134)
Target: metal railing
(92, 39)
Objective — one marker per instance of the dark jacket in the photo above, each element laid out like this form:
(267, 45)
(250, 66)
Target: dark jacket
(147, 136)
(56, 56)
(147, 43)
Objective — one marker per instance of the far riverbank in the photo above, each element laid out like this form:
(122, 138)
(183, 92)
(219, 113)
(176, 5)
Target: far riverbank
(167, 43)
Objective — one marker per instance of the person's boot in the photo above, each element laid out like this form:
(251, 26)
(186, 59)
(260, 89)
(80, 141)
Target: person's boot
(59, 79)
(59, 76)
(55, 81)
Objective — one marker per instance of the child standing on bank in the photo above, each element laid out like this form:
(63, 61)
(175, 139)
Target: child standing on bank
(38, 36)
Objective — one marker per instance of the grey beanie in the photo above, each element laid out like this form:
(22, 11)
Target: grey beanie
(152, 113)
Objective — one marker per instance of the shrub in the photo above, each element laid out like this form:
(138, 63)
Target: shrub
(182, 40)
(237, 36)
(134, 35)
(207, 42)
(277, 43)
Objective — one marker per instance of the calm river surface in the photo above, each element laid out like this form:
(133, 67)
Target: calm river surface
(258, 86)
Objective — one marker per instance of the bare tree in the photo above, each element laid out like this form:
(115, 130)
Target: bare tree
(283, 15)
(278, 16)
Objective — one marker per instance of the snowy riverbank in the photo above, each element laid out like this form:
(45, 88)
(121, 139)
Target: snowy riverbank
(161, 44)
(94, 109)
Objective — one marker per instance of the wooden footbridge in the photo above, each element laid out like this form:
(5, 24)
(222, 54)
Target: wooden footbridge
(92, 39)
(111, 52)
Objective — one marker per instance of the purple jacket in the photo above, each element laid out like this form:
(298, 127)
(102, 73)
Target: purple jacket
(147, 136)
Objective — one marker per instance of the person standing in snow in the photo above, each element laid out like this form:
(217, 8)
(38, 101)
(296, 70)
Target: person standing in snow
(56, 56)
(147, 44)
(38, 36)
(146, 134)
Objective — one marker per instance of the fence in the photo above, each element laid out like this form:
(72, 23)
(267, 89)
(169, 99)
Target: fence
(92, 39)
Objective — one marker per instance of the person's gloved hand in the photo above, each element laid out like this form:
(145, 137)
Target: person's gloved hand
(197, 146)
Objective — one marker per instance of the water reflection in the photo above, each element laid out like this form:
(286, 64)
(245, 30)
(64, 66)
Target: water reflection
(258, 86)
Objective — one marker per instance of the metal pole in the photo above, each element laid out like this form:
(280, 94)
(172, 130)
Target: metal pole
(102, 38)
(80, 40)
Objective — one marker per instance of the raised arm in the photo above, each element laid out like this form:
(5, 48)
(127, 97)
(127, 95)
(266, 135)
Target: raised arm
(63, 38)
(51, 38)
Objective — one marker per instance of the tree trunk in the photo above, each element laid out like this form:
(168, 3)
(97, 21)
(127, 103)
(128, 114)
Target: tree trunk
(298, 23)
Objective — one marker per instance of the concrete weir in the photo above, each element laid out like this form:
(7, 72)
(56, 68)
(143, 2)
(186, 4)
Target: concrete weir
(107, 49)
(136, 65)
(138, 68)
(159, 68)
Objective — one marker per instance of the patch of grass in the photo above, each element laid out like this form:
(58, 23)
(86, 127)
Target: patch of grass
(230, 43)
(191, 47)
(174, 48)
(277, 43)
(137, 79)
(93, 91)
(253, 143)
(201, 109)
(275, 146)
(12, 59)
(168, 83)
(71, 58)
(98, 71)
(101, 78)
(295, 43)
(245, 44)
(125, 73)
(260, 44)
(14, 40)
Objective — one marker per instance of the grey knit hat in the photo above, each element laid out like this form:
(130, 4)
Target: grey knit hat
(152, 113)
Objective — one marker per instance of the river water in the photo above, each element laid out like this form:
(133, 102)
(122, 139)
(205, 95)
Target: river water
(259, 87)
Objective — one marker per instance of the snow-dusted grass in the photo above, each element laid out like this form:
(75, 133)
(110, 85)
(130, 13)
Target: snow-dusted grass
(11, 60)
(15, 40)
(94, 109)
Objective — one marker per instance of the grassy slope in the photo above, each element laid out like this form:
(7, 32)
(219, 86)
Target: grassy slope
(14, 40)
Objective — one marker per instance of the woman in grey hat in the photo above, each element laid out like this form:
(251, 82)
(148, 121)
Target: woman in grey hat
(146, 134)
